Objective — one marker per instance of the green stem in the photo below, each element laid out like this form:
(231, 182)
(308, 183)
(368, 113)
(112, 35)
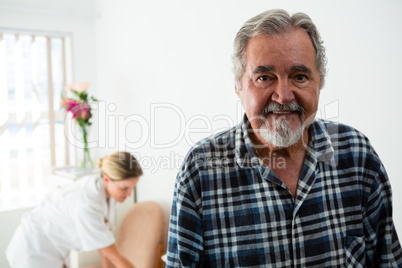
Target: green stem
(86, 150)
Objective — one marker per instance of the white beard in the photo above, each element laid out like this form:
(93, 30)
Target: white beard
(281, 135)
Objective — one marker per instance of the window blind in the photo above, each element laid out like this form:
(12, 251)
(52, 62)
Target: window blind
(33, 74)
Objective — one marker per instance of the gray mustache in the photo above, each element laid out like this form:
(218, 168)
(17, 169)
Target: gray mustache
(276, 107)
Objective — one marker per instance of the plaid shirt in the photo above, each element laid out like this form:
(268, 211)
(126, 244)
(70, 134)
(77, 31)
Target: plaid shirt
(230, 210)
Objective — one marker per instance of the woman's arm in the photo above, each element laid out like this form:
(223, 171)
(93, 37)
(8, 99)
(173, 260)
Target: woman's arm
(113, 254)
(104, 261)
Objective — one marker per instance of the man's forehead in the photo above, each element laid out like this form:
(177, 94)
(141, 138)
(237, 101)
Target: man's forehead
(300, 68)
(293, 49)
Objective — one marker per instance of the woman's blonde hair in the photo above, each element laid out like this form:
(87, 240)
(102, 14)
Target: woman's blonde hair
(120, 166)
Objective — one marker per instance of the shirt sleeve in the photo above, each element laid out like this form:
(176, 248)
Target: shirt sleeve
(185, 238)
(92, 229)
(382, 245)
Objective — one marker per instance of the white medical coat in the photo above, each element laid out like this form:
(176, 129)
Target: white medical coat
(77, 217)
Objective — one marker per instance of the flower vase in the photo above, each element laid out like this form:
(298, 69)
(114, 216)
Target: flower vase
(86, 160)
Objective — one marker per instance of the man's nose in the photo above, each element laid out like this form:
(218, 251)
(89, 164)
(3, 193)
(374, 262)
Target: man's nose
(283, 93)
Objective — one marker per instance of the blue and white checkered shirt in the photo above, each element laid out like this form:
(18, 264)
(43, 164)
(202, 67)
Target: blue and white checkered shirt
(230, 210)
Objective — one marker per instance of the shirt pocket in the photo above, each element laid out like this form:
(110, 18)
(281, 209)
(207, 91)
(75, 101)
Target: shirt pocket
(355, 251)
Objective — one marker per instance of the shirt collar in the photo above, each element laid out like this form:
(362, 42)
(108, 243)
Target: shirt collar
(245, 154)
(320, 145)
(320, 142)
(108, 204)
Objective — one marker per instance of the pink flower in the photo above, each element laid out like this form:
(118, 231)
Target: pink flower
(69, 104)
(78, 105)
(84, 111)
(73, 111)
(79, 87)
(72, 106)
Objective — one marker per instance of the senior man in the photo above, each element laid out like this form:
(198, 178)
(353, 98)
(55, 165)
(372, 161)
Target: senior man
(282, 189)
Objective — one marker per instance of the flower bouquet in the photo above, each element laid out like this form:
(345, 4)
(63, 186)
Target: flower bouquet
(79, 107)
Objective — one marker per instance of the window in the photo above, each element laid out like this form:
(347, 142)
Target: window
(33, 73)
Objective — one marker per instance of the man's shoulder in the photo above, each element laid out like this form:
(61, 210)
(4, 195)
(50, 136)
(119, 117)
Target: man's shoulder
(213, 148)
(350, 148)
(216, 143)
(346, 142)
(339, 132)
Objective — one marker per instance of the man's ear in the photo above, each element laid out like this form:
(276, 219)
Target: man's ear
(237, 91)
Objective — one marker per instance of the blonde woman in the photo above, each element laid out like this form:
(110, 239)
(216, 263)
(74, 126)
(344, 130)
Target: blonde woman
(77, 217)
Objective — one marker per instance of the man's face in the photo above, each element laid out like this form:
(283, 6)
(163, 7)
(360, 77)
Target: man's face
(280, 86)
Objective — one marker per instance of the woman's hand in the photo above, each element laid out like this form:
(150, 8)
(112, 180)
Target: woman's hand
(113, 254)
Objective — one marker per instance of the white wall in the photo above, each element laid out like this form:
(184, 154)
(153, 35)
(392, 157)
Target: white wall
(178, 52)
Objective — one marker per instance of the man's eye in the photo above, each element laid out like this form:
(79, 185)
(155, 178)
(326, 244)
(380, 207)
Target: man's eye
(263, 78)
(300, 77)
